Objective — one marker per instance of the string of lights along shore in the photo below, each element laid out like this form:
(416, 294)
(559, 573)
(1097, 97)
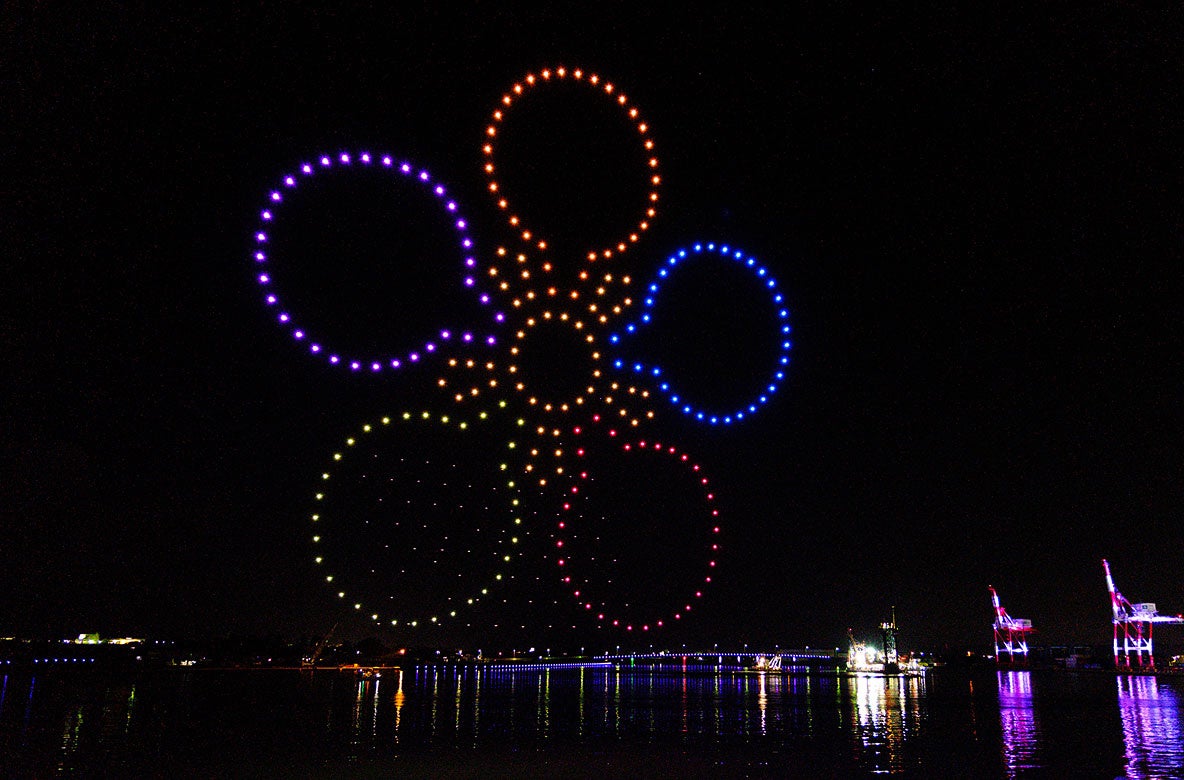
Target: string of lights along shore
(410, 541)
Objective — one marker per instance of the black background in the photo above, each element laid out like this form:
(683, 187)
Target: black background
(975, 217)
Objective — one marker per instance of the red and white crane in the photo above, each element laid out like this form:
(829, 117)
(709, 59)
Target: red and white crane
(1011, 634)
(1136, 621)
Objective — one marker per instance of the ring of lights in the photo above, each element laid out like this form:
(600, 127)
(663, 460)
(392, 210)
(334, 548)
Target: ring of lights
(550, 448)
(323, 522)
(475, 378)
(646, 319)
(405, 170)
(562, 75)
(514, 272)
(501, 374)
(568, 555)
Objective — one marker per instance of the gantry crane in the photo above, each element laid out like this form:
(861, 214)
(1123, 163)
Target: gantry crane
(1011, 634)
(1134, 618)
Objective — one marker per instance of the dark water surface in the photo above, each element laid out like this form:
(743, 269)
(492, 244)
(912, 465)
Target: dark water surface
(449, 722)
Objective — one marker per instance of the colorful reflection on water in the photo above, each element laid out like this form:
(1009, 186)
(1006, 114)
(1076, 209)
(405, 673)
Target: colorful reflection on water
(886, 715)
(1150, 714)
(1021, 733)
(591, 722)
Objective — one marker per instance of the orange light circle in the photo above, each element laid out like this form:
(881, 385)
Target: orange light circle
(563, 75)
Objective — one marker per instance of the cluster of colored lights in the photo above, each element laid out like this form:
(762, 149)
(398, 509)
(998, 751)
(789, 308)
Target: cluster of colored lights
(335, 572)
(493, 380)
(521, 91)
(551, 301)
(470, 379)
(504, 372)
(513, 271)
(655, 372)
(405, 170)
(582, 587)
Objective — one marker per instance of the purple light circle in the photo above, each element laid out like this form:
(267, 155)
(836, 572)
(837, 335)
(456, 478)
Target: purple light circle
(415, 176)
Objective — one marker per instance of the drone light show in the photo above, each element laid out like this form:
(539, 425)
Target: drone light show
(655, 374)
(402, 173)
(531, 273)
(422, 515)
(611, 532)
(523, 90)
(418, 518)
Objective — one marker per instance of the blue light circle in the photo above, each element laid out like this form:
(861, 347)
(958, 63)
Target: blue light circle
(677, 398)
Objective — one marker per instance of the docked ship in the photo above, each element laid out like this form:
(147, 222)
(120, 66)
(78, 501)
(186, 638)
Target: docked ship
(863, 659)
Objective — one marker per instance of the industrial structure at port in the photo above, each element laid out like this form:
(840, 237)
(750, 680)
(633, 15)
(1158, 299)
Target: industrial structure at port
(1134, 621)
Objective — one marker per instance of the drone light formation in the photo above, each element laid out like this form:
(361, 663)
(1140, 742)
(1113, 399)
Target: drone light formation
(324, 164)
(326, 526)
(655, 374)
(606, 408)
(573, 564)
(515, 271)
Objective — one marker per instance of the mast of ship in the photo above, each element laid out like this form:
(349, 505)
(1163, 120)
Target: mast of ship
(891, 658)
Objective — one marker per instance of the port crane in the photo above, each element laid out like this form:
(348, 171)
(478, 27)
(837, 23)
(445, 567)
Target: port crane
(1011, 634)
(1136, 621)
(311, 660)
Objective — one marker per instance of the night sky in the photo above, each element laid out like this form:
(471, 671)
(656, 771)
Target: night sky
(975, 219)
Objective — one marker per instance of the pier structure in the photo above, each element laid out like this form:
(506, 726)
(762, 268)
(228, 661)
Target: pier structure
(1011, 634)
(1136, 622)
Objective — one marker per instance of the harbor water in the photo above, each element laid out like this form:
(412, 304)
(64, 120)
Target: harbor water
(470, 721)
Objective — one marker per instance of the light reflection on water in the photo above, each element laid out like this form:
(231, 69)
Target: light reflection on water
(723, 722)
(886, 715)
(1021, 733)
(1150, 727)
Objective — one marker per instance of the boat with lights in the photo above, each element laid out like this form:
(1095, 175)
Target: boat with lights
(865, 660)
